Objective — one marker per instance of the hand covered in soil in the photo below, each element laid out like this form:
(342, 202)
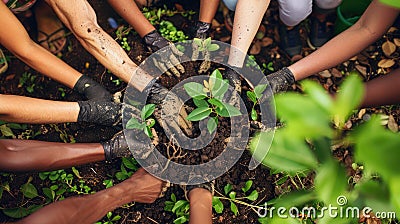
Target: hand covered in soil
(91, 89)
(116, 147)
(99, 112)
(235, 82)
(169, 103)
(281, 80)
(200, 32)
(145, 187)
(168, 57)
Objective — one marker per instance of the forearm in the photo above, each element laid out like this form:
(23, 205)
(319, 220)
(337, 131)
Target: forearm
(383, 90)
(200, 206)
(131, 13)
(36, 111)
(372, 25)
(28, 155)
(248, 18)
(80, 18)
(16, 39)
(85, 209)
(208, 8)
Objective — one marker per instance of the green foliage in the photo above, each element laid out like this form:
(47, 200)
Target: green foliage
(169, 31)
(147, 123)
(208, 99)
(110, 218)
(314, 122)
(231, 196)
(27, 80)
(179, 207)
(205, 45)
(125, 44)
(155, 15)
(128, 167)
(254, 97)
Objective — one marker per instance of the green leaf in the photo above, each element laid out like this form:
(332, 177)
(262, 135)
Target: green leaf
(234, 209)
(150, 122)
(216, 74)
(180, 220)
(116, 218)
(20, 212)
(303, 116)
(343, 104)
(213, 47)
(318, 94)
(179, 204)
(6, 131)
(247, 186)
(216, 102)
(199, 114)
(232, 195)
(130, 163)
(147, 111)
(200, 103)
(195, 90)
(29, 190)
(253, 196)
(173, 197)
(330, 182)
(212, 124)
(254, 115)
(148, 132)
(207, 42)
(285, 154)
(259, 89)
(198, 42)
(252, 96)
(217, 85)
(76, 172)
(217, 205)
(49, 193)
(133, 123)
(227, 189)
(228, 111)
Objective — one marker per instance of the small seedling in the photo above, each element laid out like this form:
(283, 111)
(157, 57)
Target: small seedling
(205, 45)
(27, 80)
(208, 99)
(124, 44)
(147, 123)
(111, 219)
(180, 208)
(170, 32)
(255, 96)
(62, 91)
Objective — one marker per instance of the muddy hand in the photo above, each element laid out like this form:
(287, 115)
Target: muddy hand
(201, 31)
(281, 80)
(166, 60)
(100, 112)
(169, 102)
(235, 82)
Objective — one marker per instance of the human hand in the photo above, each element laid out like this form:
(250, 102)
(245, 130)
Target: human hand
(281, 80)
(154, 42)
(91, 89)
(100, 112)
(147, 187)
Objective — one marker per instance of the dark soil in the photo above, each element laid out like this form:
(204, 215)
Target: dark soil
(94, 174)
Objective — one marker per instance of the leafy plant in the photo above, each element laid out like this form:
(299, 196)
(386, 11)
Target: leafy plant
(154, 15)
(128, 167)
(180, 208)
(205, 45)
(125, 44)
(231, 196)
(27, 80)
(170, 32)
(208, 99)
(147, 123)
(255, 96)
(318, 121)
(110, 218)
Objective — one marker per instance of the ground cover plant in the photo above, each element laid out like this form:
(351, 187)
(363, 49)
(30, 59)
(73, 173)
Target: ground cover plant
(336, 155)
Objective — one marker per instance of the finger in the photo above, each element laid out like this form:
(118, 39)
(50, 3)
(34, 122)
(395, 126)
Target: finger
(161, 66)
(177, 64)
(168, 64)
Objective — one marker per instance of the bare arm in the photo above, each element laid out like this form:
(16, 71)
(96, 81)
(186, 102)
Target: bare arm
(248, 16)
(372, 25)
(128, 10)
(14, 37)
(16, 109)
(80, 18)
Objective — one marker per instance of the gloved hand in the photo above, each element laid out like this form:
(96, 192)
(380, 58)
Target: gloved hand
(91, 89)
(281, 80)
(234, 80)
(154, 42)
(201, 31)
(116, 147)
(158, 95)
(100, 112)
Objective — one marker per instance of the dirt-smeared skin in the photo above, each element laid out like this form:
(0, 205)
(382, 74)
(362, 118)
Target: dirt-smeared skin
(244, 29)
(80, 18)
(116, 147)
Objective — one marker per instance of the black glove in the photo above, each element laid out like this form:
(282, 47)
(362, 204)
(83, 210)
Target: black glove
(158, 95)
(116, 147)
(100, 112)
(91, 89)
(154, 42)
(281, 80)
(201, 31)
